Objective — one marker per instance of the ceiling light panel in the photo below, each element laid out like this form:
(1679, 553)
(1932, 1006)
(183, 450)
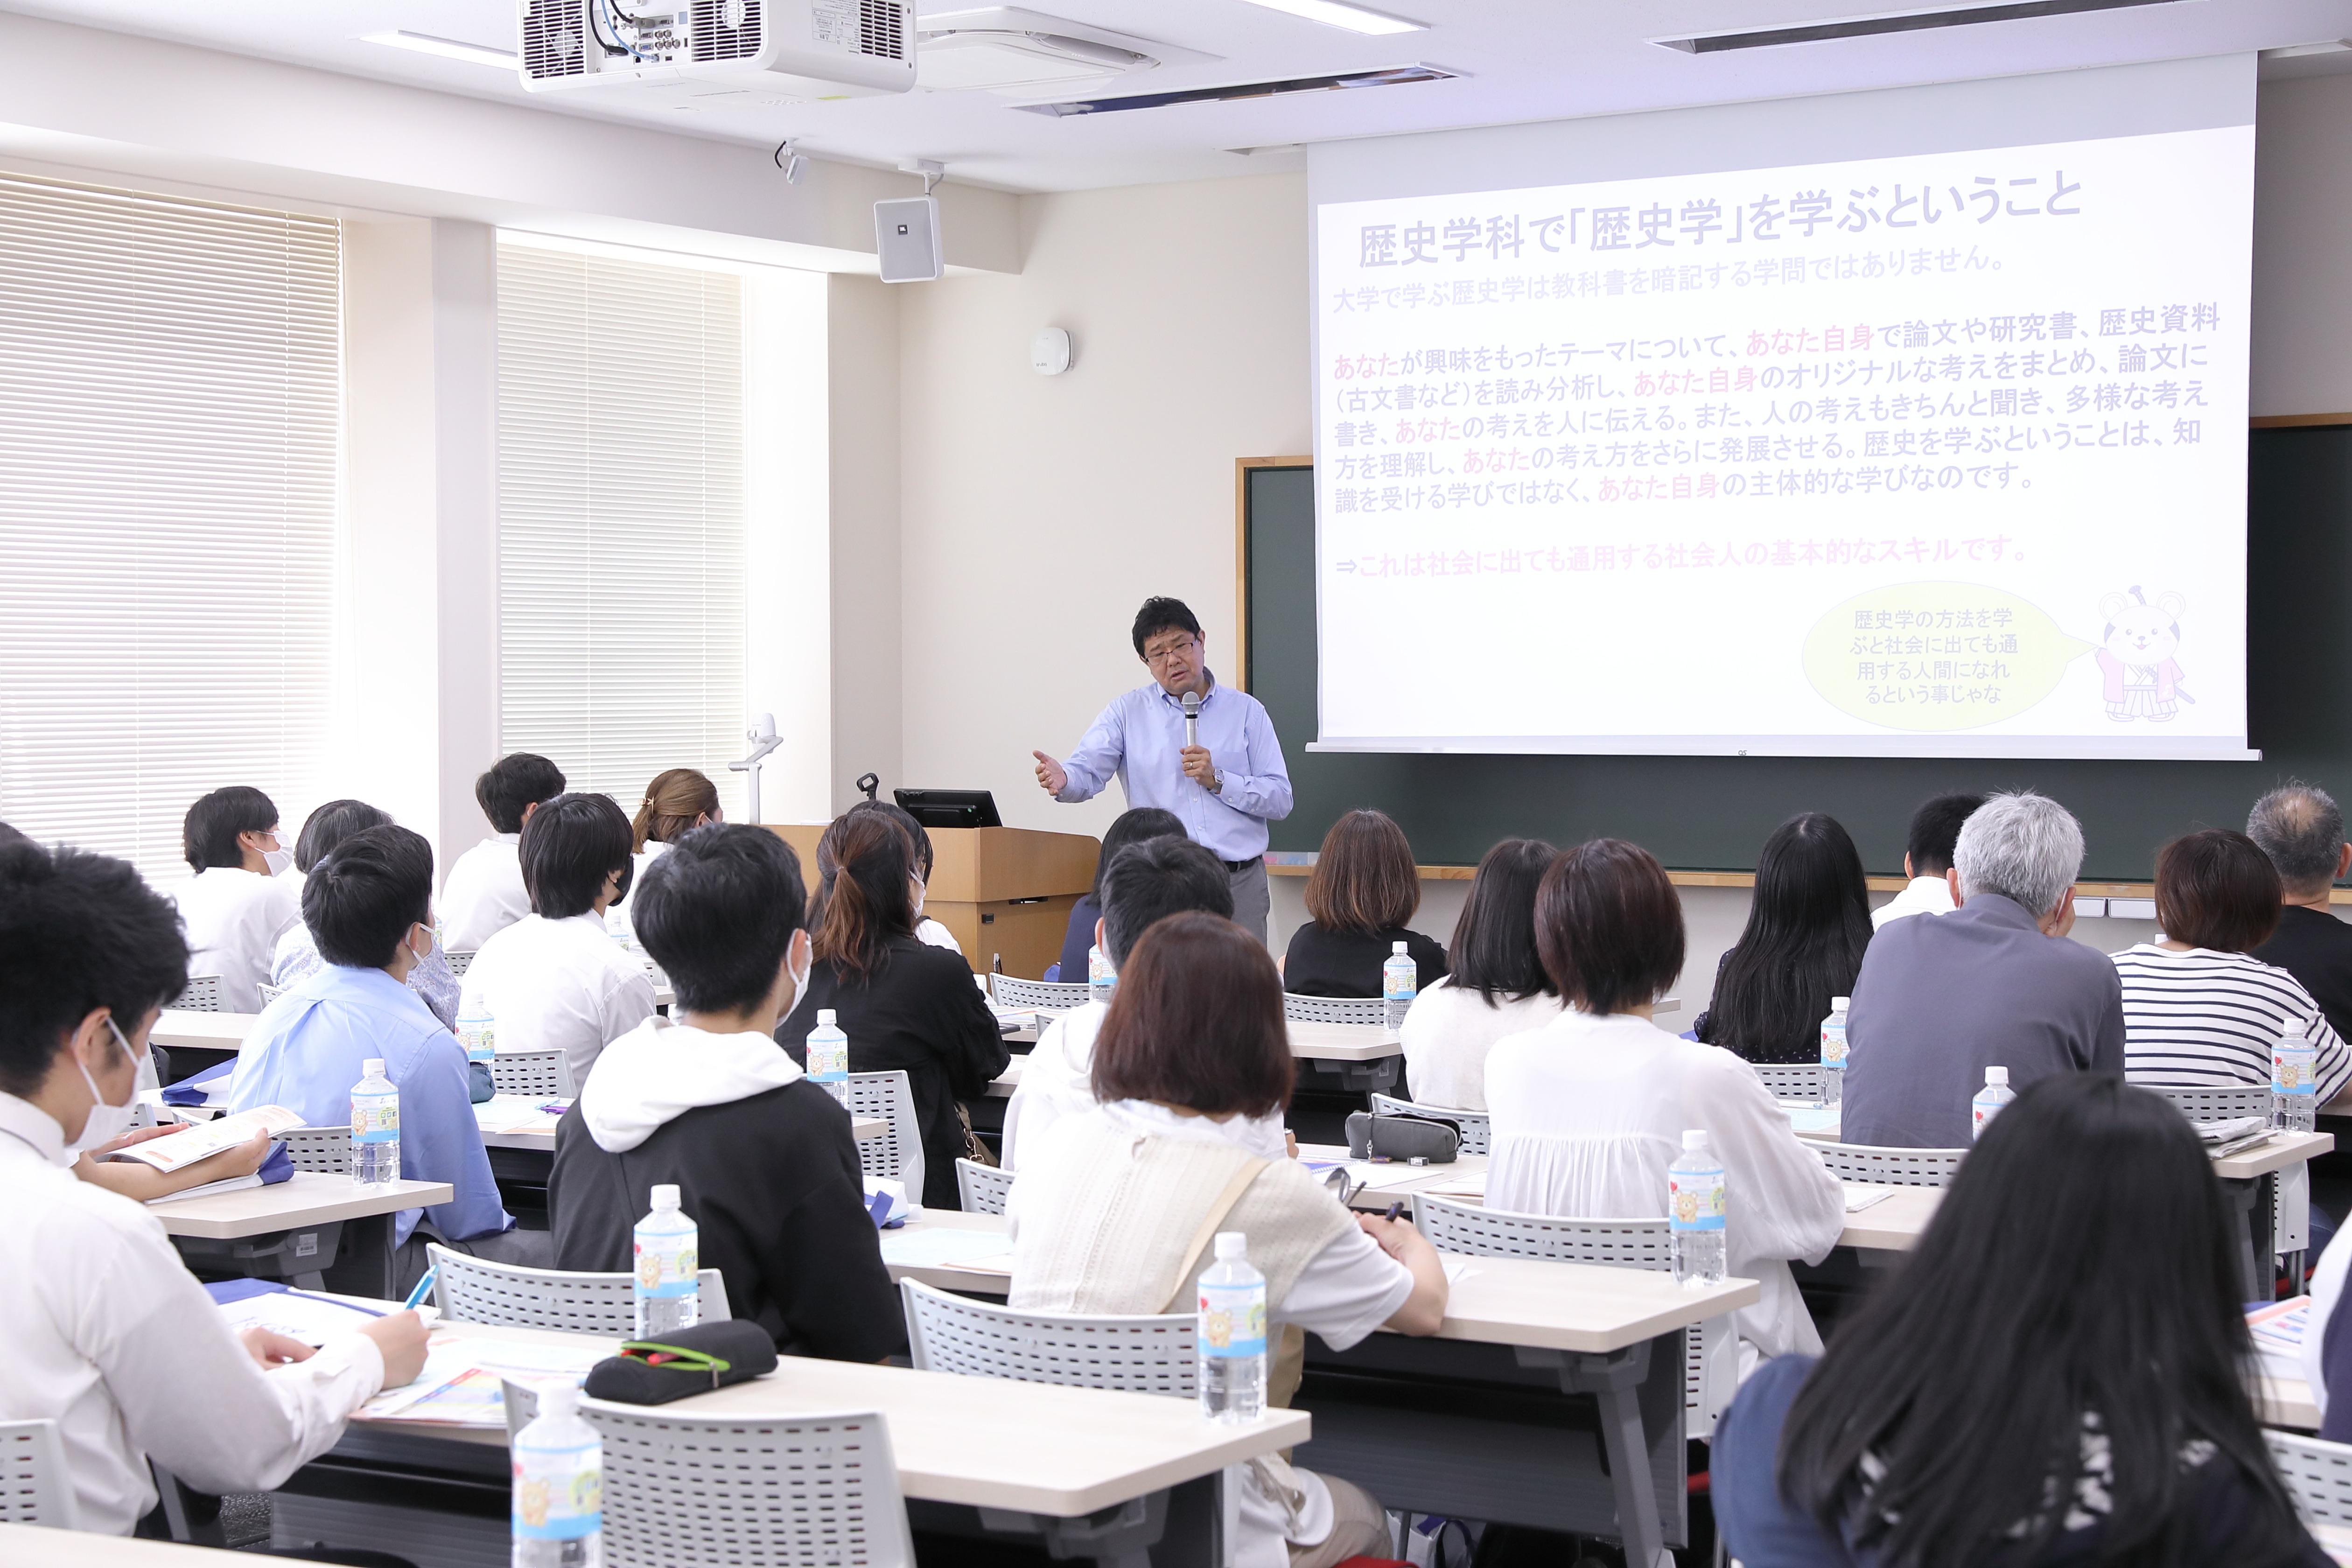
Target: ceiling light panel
(1333, 14)
(447, 49)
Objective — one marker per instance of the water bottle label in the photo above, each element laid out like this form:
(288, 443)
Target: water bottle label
(559, 1493)
(375, 1118)
(828, 1060)
(480, 1035)
(1233, 1320)
(1833, 1045)
(666, 1270)
(1694, 1200)
(1400, 982)
(2294, 1072)
(1981, 1113)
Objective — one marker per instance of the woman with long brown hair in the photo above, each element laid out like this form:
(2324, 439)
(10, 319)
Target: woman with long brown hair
(904, 1006)
(679, 801)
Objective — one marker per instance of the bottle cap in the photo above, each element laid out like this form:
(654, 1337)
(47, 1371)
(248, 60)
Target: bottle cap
(1396, 947)
(1695, 1137)
(372, 1068)
(1996, 1075)
(664, 1195)
(1840, 1004)
(559, 1398)
(1232, 1244)
(825, 1017)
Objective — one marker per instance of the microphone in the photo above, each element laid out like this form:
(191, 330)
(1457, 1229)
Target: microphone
(1191, 718)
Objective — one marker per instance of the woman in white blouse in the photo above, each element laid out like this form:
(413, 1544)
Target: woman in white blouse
(1589, 1111)
(1497, 987)
(241, 902)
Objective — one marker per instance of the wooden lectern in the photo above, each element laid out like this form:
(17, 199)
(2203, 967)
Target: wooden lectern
(1003, 892)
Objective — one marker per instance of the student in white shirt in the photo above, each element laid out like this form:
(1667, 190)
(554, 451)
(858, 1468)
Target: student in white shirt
(1103, 1217)
(240, 902)
(1144, 884)
(109, 1334)
(679, 801)
(1928, 860)
(1589, 1111)
(555, 980)
(1495, 985)
(484, 894)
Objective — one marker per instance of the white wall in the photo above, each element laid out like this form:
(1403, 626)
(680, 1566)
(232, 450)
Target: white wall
(1037, 513)
(2303, 233)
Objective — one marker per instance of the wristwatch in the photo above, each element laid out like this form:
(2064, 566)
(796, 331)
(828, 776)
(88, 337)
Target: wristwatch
(1217, 784)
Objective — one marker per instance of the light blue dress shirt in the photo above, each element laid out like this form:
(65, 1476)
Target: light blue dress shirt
(1139, 739)
(305, 1052)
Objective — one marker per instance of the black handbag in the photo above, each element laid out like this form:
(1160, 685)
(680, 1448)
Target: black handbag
(691, 1361)
(1402, 1137)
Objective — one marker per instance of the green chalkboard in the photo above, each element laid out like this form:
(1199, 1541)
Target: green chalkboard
(1713, 813)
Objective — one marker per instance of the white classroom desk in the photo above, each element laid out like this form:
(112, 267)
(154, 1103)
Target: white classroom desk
(538, 1135)
(1352, 1050)
(35, 1546)
(175, 1028)
(283, 1230)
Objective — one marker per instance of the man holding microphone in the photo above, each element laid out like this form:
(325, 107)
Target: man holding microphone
(1185, 742)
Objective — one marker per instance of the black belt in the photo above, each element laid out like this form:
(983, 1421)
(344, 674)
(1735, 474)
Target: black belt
(1238, 867)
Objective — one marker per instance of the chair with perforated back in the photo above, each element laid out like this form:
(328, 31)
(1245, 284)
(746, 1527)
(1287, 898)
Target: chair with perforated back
(460, 960)
(327, 1149)
(35, 1487)
(202, 994)
(1334, 1009)
(1142, 1354)
(269, 993)
(531, 1072)
(1791, 1081)
(1046, 996)
(767, 1491)
(475, 1290)
(1890, 1167)
(1710, 1357)
(1472, 1122)
(2291, 1194)
(2317, 1473)
(898, 1152)
(982, 1188)
(2219, 1104)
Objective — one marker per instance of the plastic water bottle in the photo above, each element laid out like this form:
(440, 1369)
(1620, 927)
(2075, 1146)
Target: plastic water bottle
(1232, 1333)
(1834, 1052)
(828, 1055)
(375, 1127)
(559, 1486)
(478, 1030)
(669, 1263)
(2294, 1083)
(1101, 978)
(1400, 982)
(1695, 1208)
(1987, 1105)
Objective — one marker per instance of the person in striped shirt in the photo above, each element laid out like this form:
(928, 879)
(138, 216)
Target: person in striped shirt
(2199, 1012)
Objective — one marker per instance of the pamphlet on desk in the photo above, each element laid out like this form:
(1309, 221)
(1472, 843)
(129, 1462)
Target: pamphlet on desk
(178, 1150)
(2278, 1336)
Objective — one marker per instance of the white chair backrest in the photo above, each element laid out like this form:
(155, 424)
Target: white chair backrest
(1472, 1122)
(783, 1491)
(203, 995)
(34, 1486)
(460, 959)
(269, 993)
(1791, 1081)
(898, 1152)
(1334, 1009)
(1152, 1354)
(1710, 1357)
(1052, 995)
(981, 1187)
(2317, 1473)
(476, 1290)
(2220, 1104)
(532, 1072)
(327, 1149)
(1890, 1167)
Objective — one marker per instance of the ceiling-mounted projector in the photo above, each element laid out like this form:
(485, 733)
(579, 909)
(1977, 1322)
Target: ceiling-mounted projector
(812, 48)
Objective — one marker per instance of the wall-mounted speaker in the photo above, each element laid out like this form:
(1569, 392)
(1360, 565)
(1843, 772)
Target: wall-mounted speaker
(906, 239)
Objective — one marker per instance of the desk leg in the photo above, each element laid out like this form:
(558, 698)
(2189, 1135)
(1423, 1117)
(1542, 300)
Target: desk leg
(1186, 1526)
(1614, 1380)
(2265, 1238)
(364, 1264)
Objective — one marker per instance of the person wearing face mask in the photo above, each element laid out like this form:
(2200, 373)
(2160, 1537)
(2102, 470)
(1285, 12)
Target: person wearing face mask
(370, 906)
(109, 1334)
(763, 1159)
(240, 902)
(555, 980)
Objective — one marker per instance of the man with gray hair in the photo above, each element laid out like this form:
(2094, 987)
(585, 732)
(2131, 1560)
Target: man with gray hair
(1995, 983)
(2300, 828)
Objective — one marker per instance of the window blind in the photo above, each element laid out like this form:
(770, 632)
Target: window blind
(621, 558)
(170, 432)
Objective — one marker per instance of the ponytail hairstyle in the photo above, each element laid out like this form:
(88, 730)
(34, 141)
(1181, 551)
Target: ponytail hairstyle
(672, 802)
(866, 862)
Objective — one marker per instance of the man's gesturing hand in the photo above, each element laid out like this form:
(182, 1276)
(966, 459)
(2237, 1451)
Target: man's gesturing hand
(1051, 778)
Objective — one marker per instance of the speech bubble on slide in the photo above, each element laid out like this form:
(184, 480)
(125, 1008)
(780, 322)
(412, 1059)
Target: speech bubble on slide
(1937, 656)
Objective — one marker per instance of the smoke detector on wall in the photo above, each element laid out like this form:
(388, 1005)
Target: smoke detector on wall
(1005, 50)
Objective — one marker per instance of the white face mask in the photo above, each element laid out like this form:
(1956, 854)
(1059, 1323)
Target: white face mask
(277, 859)
(105, 1123)
(919, 892)
(800, 982)
(418, 955)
